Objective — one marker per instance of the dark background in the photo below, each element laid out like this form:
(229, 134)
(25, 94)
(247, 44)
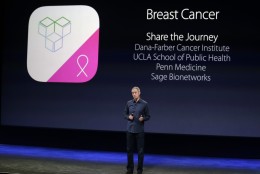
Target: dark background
(220, 117)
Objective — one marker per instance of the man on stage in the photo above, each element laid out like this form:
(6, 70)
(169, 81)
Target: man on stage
(136, 112)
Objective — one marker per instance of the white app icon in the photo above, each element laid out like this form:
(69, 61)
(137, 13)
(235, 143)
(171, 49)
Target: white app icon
(63, 44)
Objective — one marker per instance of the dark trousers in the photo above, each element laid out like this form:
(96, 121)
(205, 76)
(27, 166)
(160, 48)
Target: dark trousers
(132, 139)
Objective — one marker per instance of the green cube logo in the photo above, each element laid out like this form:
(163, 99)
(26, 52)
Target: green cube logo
(54, 31)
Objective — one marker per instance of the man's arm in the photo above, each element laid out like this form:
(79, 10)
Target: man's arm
(146, 115)
(126, 113)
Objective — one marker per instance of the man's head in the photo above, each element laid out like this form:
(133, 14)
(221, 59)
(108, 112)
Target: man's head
(136, 93)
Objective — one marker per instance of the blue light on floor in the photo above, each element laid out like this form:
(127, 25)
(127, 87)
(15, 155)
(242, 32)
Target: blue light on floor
(120, 158)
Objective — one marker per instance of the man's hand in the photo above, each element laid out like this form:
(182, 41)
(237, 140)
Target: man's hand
(141, 118)
(130, 117)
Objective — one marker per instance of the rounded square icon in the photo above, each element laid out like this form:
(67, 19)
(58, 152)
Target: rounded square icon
(63, 44)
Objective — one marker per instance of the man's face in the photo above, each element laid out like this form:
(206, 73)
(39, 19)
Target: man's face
(135, 94)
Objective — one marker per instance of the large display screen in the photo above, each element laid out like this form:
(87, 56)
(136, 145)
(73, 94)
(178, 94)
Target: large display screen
(72, 64)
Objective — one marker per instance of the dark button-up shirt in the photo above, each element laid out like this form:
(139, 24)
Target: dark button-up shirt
(137, 109)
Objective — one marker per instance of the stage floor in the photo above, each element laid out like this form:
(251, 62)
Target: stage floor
(41, 160)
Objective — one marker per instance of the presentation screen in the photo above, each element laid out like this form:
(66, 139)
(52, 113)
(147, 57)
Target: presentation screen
(72, 64)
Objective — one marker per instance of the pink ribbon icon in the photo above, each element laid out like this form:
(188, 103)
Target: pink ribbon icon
(82, 68)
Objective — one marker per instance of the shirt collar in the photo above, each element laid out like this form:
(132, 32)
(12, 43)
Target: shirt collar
(137, 101)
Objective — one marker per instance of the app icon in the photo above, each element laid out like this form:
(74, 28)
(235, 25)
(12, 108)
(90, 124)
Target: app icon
(63, 44)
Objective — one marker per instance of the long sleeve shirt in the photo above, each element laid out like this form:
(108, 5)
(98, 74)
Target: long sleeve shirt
(137, 109)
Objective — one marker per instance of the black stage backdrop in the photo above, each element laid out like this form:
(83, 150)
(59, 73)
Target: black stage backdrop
(225, 103)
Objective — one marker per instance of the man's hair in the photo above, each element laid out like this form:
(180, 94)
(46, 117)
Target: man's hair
(137, 88)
